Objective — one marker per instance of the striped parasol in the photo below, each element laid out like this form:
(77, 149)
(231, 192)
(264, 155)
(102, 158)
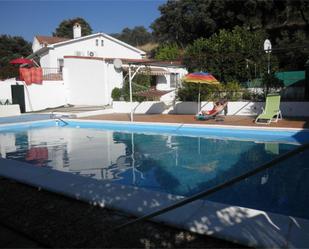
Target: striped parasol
(200, 78)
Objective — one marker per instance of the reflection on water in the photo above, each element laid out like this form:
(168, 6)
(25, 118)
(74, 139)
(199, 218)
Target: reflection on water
(174, 164)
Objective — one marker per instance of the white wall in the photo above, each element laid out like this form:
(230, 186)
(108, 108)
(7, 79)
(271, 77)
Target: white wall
(36, 45)
(5, 89)
(90, 81)
(9, 110)
(37, 97)
(45, 60)
(163, 82)
(149, 107)
(48, 94)
(168, 98)
(110, 49)
(289, 109)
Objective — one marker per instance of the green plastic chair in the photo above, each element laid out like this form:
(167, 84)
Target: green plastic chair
(272, 111)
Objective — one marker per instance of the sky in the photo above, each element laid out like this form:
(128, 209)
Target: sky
(28, 18)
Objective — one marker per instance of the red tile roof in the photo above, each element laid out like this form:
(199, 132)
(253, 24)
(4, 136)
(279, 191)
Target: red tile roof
(50, 39)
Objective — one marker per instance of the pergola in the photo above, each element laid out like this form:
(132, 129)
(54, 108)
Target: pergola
(146, 67)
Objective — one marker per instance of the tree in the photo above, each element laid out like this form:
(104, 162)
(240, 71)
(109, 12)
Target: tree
(168, 51)
(137, 36)
(65, 28)
(12, 47)
(184, 21)
(228, 53)
(286, 23)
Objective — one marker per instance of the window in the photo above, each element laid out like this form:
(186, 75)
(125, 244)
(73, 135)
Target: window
(102, 43)
(174, 80)
(60, 65)
(97, 42)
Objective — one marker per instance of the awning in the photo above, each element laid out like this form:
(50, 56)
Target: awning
(149, 70)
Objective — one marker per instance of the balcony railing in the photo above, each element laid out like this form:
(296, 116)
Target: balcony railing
(51, 73)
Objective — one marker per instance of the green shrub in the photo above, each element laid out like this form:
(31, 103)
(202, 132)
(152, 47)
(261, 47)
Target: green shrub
(140, 82)
(8, 71)
(271, 84)
(116, 94)
(233, 91)
(252, 96)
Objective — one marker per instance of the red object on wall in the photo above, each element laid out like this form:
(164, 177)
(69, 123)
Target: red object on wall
(36, 75)
(21, 61)
(21, 70)
(31, 75)
(25, 75)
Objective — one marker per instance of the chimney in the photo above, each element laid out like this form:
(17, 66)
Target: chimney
(77, 31)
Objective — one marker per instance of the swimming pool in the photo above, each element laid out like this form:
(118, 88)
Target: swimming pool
(174, 159)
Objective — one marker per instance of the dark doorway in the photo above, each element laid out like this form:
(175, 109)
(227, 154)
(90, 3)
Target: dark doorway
(153, 81)
(18, 97)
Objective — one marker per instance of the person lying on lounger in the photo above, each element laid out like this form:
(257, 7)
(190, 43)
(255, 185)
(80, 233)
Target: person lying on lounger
(219, 106)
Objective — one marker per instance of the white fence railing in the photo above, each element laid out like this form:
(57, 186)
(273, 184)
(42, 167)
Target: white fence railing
(52, 74)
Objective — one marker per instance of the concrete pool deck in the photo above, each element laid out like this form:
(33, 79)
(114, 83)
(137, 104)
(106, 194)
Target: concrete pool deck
(32, 218)
(189, 119)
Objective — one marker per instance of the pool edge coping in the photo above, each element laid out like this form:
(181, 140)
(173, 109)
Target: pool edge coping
(187, 125)
(276, 226)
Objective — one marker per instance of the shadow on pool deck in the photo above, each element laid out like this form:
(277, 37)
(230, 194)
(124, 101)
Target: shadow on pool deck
(33, 218)
(189, 119)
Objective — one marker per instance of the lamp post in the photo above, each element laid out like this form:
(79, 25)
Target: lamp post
(267, 49)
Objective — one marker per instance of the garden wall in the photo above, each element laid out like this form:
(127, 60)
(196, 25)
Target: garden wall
(289, 109)
(9, 110)
(37, 96)
(49, 94)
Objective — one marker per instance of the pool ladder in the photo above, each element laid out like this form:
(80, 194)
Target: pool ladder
(223, 185)
(57, 118)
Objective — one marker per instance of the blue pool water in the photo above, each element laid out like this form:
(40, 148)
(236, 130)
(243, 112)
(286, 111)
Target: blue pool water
(176, 160)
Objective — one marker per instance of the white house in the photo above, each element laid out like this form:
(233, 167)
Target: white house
(81, 71)
(51, 50)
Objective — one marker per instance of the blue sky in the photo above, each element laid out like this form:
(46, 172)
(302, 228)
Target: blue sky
(28, 18)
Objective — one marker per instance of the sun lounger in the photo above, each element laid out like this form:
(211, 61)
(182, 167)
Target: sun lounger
(272, 112)
(213, 113)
